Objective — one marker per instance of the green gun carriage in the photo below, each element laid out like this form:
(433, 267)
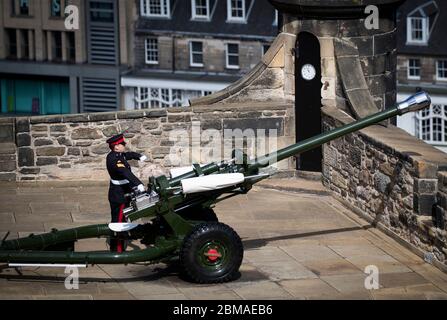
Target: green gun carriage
(180, 222)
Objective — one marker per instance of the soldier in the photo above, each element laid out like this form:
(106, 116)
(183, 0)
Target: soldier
(122, 181)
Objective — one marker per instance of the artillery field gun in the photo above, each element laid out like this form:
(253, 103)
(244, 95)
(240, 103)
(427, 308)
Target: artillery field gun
(181, 222)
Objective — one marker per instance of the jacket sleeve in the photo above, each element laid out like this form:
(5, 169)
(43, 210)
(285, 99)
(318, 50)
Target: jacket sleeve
(127, 174)
(119, 168)
(132, 156)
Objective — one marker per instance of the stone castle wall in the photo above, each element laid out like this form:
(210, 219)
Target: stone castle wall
(392, 179)
(74, 147)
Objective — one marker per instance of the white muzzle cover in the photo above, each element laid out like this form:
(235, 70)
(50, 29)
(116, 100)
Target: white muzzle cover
(211, 182)
(175, 172)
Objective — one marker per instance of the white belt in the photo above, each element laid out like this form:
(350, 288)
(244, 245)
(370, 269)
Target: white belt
(119, 182)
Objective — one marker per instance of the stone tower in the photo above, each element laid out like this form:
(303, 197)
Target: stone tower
(345, 50)
(358, 57)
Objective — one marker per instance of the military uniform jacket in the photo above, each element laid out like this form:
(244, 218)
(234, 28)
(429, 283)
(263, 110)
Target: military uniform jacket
(119, 170)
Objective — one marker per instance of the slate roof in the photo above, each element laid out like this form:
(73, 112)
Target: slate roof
(259, 23)
(437, 44)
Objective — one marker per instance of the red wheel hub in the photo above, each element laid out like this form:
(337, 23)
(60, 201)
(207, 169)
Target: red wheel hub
(213, 255)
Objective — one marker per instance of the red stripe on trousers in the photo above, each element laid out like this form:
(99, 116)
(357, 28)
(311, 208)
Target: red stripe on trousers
(120, 219)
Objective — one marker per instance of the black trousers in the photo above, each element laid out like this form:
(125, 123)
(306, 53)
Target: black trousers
(116, 210)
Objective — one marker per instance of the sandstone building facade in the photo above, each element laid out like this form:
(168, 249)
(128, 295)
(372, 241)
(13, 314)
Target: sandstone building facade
(191, 48)
(46, 68)
(422, 64)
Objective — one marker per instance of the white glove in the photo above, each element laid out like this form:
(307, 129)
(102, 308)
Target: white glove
(143, 158)
(141, 188)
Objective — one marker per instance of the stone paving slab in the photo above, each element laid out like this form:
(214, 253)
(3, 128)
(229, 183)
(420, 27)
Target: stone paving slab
(299, 245)
(15, 207)
(385, 263)
(327, 267)
(282, 270)
(7, 217)
(259, 290)
(346, 283)
(59, 217)
(393, 280)
(24, 227)
(56, 207)
(308, 288)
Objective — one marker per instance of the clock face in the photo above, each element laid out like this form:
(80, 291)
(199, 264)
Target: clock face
(308, 72)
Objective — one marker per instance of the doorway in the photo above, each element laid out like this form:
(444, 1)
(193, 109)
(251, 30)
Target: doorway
(308, 99)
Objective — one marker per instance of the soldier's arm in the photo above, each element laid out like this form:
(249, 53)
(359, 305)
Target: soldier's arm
(127, 174)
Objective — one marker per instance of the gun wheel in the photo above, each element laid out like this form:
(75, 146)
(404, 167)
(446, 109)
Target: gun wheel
(211, 253)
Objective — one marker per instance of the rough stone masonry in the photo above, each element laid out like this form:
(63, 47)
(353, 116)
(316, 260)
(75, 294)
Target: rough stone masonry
(391, 179)
(73, 147)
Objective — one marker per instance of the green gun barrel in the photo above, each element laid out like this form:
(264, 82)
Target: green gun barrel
(416, 102)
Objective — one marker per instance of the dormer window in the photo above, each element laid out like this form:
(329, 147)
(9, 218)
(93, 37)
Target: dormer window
(417, 30)
(420, 23)
(236, 11)
(155, 8)
(200, 9)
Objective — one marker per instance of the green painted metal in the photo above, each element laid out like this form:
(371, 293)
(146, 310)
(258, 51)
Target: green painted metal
(42, 241)
(220, 248)
(100, 257)
(180, 226)
(322, 138)
(416, 102)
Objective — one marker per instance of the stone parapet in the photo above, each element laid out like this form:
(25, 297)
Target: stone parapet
(395, 179)
(73, 147)
(272, 79)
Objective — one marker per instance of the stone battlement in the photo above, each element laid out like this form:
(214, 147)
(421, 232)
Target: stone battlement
(392, 179)
(73, 147)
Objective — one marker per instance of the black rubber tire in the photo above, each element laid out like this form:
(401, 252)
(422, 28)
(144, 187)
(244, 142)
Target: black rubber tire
(224, 238)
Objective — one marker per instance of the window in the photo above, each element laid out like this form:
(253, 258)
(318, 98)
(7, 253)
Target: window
(56, 8)
(196, 54)
(441, 70)
(151, 50)
(414, 69)
(275, 22)
(236, 10)
(146, 98)
(431, 124)
(12, 43)
(13, 7)
(200, 9)
(417, 30)
(24, 41)
(232, 56)
(24, 7)
(155, 8)
(101, 11)
(56, 45)
(71, 48)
